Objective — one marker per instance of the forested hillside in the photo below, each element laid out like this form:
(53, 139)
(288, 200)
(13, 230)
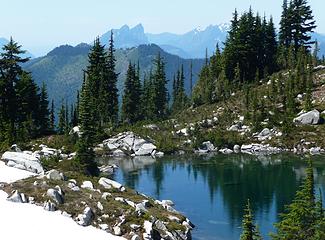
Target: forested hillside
(62, 69)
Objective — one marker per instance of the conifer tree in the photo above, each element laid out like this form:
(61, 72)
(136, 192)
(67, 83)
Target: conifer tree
(301, 217)
(179, 95)
(52, 117)
(44, 113)
(62, 120)
(28, 103)
(285, 35)
(249, 230)
(147, 101)
(10, 65)
(160, 96)
(131, 108)
(111, 101)
(84, 160)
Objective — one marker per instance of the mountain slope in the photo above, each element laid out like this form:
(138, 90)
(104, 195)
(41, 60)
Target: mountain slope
(61, 69)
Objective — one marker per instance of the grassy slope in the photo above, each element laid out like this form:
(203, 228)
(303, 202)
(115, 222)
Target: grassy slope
(227, 113)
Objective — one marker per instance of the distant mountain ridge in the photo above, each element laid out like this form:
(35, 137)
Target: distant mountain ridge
(189, 45)
(192, 44)
(62, 68)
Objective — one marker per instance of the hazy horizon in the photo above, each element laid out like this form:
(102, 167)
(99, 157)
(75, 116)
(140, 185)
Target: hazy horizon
(40, 26)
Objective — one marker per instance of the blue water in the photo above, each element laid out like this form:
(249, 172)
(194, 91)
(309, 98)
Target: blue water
(212, 190)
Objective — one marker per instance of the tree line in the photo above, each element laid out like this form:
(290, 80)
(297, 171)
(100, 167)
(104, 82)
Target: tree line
(253, 51)
(24, 110)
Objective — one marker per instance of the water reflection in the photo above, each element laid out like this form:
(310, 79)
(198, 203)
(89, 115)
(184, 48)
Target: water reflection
(212, 190)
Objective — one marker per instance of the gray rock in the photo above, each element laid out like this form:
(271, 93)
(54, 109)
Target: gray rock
(168, 202)
(73, 186)
(24, 198)
(309, 118)
(207, 147)
(117, 231)
(315, 150)
(106, 195)
(108, 183)
(15, 148)
(135, 226)
(24, 161)
(226, 151)
(86, 217)
(118, 153)
(49, 206)
(15, 197)
(55, 175)
(55, 195)
(100, 206)
(145, 149)
(236, 148)
(87, 185)
(141, 207)
(264, 134)
(234, 128)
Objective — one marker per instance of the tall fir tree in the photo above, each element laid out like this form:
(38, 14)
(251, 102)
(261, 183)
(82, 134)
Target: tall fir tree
(44, 113)
(301, 218)
(249, 230)
(160, 95)
(10, 65)
(52, 117)
(111, 101)
(62, 120)
(131, 108)
(180, 99)
(85, 157)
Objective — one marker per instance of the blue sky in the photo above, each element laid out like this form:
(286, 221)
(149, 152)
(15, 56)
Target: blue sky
(41, 25)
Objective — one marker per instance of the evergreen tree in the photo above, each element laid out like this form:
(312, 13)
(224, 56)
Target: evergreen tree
(285, 36)
(315, 54)
(111, 101)
(62, 120)
(84, 160)
(179, 95)
(249, 230)
(52, 117)
(96, 79)
(44, 113)
(28, 102)
(201, 92)
(160, 96)
(131, 108)
(303, 23)
(301, 217)
(147, 101)
(10, 66)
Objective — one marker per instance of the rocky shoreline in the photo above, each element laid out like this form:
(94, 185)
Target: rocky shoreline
(99, 202)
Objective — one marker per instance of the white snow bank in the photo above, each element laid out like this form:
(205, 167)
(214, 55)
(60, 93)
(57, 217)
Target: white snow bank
(35, 223)
(9, 174)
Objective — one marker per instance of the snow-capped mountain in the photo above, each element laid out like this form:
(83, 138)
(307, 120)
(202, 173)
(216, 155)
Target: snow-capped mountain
(189, 45)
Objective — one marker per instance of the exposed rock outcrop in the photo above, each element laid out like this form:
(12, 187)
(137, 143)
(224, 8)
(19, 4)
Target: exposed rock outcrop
(23, 161)
(309, 118)
(128, 143)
